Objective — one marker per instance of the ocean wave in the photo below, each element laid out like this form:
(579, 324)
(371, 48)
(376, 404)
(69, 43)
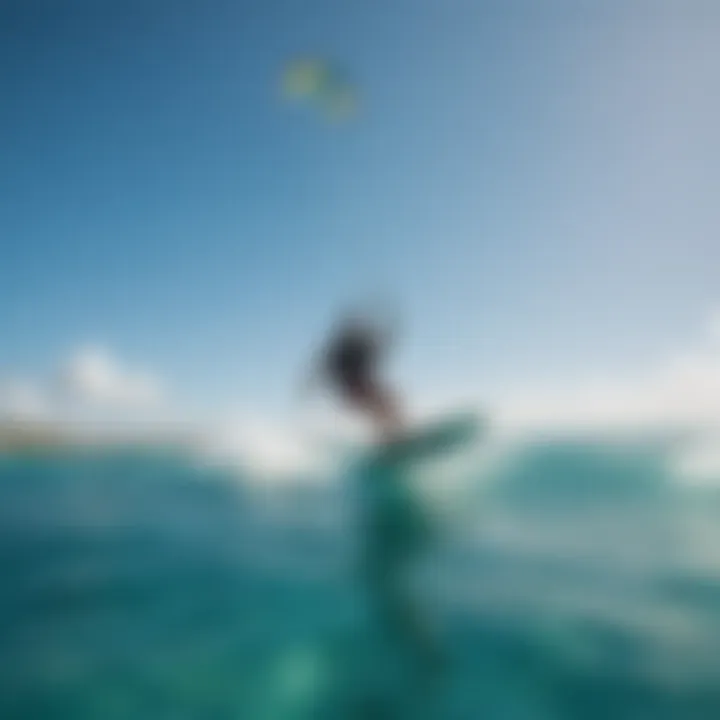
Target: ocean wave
(163, 584)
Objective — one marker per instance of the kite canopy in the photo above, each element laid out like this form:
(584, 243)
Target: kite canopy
(321, 85)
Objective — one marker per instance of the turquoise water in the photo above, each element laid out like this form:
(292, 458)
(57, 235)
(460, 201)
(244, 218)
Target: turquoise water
(567, 581)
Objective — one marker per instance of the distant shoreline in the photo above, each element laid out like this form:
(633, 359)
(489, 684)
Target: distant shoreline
(34, 437)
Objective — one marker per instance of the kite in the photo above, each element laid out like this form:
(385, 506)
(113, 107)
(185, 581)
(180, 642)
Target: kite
(321, 85)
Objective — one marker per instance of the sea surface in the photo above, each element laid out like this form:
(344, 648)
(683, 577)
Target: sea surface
(561, 580)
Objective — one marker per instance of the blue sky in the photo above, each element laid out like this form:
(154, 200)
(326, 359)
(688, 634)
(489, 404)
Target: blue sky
(534, 182)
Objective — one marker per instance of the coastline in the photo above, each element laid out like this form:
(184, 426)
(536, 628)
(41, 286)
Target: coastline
(36, 437)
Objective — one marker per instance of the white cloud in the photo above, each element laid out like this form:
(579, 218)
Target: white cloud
(94, 376)
(682, 393)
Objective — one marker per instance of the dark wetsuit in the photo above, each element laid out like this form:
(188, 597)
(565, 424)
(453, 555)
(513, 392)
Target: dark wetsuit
(351, 360)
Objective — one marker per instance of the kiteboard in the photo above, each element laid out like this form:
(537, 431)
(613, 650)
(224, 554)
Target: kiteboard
(434, 438)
